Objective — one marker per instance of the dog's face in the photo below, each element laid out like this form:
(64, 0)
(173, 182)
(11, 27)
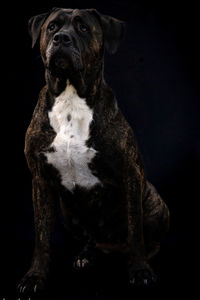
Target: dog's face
(72, 41)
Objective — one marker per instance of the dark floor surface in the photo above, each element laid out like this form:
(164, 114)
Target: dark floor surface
(109, 278)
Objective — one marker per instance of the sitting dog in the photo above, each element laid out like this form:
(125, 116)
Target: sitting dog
(82, 152)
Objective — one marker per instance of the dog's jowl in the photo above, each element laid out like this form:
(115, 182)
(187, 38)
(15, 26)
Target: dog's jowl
(82, 153)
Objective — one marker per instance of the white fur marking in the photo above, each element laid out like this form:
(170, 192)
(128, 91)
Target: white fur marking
(72, 156)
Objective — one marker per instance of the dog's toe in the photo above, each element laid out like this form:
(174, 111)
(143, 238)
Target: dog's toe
(31, 283)
(144, 277)
(81, 263)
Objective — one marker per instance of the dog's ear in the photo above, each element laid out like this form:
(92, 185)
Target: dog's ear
(35, 24)
(113, 30)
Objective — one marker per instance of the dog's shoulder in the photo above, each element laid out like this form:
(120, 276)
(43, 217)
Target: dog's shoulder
(109, 121)
(111, 132)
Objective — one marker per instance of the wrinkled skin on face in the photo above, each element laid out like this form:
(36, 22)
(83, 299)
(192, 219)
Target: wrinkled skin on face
(72, 46)
(80, 56)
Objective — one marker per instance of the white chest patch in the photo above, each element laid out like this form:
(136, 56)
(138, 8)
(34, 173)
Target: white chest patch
(70, 118)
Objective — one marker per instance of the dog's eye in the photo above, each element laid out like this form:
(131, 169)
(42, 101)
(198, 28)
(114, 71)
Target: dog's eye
(51, 26)
(83, 28)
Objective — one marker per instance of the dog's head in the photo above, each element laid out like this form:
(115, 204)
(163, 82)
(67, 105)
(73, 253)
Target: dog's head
(72, 41)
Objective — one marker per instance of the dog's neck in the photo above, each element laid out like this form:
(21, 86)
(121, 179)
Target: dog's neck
(87, 85)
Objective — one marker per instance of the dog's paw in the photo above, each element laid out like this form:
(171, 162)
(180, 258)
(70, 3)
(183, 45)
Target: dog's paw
(86, 259)
(82, 263)
(33, 282)
(142, 277)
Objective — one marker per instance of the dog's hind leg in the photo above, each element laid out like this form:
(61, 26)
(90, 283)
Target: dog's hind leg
(155, 220)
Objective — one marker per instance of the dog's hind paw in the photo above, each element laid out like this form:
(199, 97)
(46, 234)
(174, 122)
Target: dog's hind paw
(81, 263)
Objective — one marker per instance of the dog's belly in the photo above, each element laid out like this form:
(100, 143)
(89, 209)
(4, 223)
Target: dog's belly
(70, 118)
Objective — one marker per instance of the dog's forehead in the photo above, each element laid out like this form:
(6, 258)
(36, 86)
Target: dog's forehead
(66, 14)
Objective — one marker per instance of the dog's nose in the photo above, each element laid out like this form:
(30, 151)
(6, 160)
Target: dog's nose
(61, 37)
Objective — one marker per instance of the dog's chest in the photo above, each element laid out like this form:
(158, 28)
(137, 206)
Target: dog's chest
(70, 118)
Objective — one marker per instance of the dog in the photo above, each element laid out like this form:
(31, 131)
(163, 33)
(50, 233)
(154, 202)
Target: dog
(83, 155)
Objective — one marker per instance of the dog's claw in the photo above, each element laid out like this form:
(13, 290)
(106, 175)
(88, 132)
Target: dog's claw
(145, 282)
(143, 277)
(81, 263)
(132, 281)
(32, 283)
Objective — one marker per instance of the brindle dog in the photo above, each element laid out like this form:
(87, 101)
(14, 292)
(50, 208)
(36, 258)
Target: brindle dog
(82, 152)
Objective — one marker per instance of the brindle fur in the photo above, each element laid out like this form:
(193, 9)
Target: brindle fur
(124, 213)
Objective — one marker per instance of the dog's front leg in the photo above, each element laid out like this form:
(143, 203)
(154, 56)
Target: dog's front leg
(44, 216)
(140, 272)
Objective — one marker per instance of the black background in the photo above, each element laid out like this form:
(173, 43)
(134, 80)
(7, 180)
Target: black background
(155, 76)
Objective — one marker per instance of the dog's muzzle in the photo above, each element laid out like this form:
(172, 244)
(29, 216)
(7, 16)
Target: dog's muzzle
(62, 56)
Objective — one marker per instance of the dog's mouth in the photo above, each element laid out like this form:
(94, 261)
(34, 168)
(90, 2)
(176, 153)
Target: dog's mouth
(61, 63)
(65, 62)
